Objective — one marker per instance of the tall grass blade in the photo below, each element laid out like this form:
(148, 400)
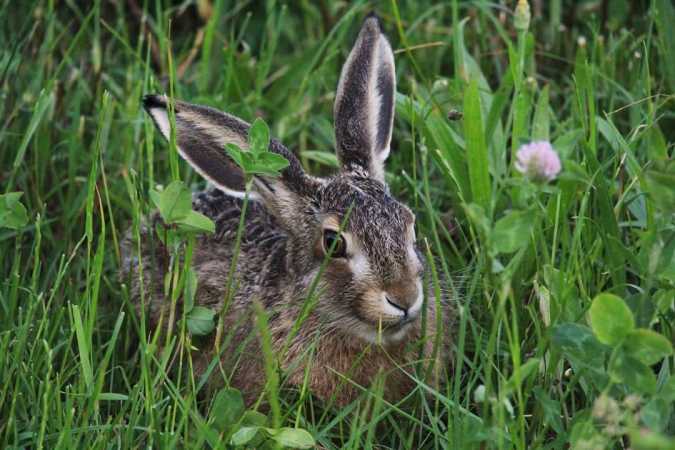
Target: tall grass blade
(476, 149)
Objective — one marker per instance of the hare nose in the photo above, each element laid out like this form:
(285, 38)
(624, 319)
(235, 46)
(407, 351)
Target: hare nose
(397, 306)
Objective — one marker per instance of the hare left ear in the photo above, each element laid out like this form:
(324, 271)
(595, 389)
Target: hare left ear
(364, 103)
(201, 136)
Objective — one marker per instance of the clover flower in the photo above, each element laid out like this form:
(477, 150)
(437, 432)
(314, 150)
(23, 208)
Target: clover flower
(538, 161)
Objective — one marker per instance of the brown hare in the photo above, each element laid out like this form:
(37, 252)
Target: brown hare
(374, 311)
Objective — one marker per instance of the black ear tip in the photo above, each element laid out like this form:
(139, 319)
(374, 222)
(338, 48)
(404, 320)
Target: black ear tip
(153, 101)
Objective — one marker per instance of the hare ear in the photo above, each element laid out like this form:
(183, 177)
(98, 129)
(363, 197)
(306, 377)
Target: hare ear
(364, 103)
(201, 135)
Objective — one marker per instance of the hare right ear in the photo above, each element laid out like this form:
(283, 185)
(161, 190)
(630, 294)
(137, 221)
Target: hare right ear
(201, 135)
(364, 103)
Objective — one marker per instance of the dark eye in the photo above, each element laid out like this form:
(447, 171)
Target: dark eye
(333, 240)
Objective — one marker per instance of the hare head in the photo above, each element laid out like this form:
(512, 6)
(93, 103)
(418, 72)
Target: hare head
(372, 283)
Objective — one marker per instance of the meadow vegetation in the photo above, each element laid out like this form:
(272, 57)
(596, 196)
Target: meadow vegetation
(565, 287)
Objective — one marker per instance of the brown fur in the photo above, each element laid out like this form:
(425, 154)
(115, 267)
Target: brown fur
(337, 356)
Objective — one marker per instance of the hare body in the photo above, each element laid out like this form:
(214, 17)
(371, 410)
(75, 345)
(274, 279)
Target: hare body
(368, 314)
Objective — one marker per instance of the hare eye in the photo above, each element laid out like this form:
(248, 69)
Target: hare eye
(333, 240)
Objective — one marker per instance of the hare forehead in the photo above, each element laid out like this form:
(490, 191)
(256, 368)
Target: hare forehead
(385, 237)
(388, 253)
(381, 226)
(379, 253)
(366, 200)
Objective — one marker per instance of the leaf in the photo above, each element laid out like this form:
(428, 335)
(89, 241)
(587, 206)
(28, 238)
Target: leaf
(292, 437)
(113, 396)
(13, 214)
(200, 320)
(583, 430)
(618, 143)
(664, 16)
(269, 163)
(657, 147)
(579, 344)
(197, 222)
(244, 435)
(191, 283)
(167, 236)
(476, 149)
(325, 158)
(248, 161)
(667, 391)
(521, 374)
(175, 202)
(611, 319)
(154, 196)
(660, 184)
(237, 155)
(633, 373)
(253, 418)
(40, 107)
(212, 436)
(258, 137)
(476, 215)
(228, 408)
(567, 142)
(656, 413)
(84, 348)
(541, 121)
(644, 439)
(512, 231)
(499, 102)
(664, 299)
(522, 108)
(647, 346)
(551, 409)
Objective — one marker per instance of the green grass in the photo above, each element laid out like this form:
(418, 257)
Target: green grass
(532, 367)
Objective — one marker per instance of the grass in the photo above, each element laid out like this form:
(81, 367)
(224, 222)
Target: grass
(533, 368)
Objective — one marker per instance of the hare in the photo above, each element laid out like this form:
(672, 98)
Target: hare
(371, 314)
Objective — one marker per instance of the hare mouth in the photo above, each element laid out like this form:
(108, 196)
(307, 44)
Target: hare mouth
(385, 333)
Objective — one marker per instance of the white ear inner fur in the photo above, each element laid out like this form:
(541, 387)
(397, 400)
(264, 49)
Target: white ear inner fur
(161, 117)
(384, 61)
(374, 103)
(382, 57)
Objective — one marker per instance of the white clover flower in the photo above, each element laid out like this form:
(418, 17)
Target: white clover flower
(538, 161)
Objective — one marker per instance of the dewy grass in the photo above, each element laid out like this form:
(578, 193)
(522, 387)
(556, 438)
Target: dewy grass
(81, 369)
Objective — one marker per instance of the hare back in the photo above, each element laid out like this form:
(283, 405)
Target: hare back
(259, 270)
